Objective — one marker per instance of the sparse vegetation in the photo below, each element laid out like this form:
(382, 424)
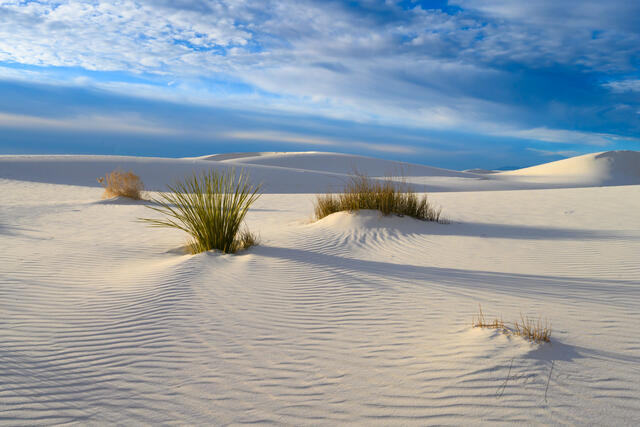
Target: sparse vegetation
(387, 196)
(121, 183)
(246, 239)
(479, 321)
(532, 330)
(211, 208)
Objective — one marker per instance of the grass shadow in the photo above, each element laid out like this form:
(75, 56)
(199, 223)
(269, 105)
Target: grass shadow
(586, 289)
(411, 226)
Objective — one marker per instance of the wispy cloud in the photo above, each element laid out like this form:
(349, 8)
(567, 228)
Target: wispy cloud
(306, 140)
(527, 71)
(552, 153)
(124, 124)
(564, 136)
(621, 86)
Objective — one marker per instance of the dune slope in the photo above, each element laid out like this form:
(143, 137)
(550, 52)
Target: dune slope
(356, 318)
(606, 168)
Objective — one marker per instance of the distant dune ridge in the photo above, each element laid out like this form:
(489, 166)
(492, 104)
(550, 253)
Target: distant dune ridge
(606, 168)
(312, 172)
(355, 319)
(336, 163)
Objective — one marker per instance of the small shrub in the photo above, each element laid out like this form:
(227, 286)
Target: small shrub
(120, 183)
(534, 331)
(388, 197)
(211, 208)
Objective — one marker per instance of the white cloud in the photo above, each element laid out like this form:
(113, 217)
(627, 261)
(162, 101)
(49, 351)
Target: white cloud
(589, 14)
(622, 86)
(592, 34)
(563, 136)
(112, 35)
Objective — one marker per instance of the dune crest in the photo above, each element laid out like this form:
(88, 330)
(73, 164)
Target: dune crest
(605, 168)
(318, 172)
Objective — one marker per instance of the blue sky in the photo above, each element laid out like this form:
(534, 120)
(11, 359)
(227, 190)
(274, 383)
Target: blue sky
(458, 84)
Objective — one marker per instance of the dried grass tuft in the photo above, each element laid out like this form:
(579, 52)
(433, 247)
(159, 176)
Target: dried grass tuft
(533, 330)
(246, 239)
(479, 321)
(387, 196)
(121, 183)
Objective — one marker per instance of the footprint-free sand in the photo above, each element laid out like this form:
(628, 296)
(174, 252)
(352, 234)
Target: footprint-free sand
(354, 319)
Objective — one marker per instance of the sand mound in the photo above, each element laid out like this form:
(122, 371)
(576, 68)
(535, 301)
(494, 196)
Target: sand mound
(371, 219)
(606, 168)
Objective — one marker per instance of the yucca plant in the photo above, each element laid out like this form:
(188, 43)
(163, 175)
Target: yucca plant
(211, 208)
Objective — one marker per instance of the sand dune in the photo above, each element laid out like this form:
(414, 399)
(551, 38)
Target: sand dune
(606, 168)
(156, 173)
(354, 319)
(313, 172)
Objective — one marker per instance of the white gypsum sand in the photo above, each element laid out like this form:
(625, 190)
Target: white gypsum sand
(356, 318)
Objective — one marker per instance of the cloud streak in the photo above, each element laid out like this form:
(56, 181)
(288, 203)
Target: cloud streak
(122, 124)
(305, 140)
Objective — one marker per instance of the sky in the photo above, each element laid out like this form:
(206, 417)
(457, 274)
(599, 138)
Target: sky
(457, 84)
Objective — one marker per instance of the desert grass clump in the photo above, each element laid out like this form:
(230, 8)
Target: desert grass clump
(480, 321)
(121, 183)
(529, 329)
(246, 239)
(532, 330)
(387, 196)
(211, 208)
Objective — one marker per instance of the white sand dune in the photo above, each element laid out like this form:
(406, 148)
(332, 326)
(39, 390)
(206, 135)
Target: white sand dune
(354, 319)
(156, 173)
(313, 172)
(607, 168)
